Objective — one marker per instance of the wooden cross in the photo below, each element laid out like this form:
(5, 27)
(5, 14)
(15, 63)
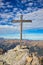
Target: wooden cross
(21, 21)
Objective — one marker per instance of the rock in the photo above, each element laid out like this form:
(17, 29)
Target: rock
(1, 51)
(35, 60)
(23, 47)
(1, 62)
(22, 61)
(29, 59)
(28, 64)
(17, 48)
(14, 57)
(41, 60)
(20, 56)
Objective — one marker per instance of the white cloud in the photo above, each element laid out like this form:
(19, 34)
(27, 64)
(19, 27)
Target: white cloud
(30, 4)
(29, 9)
(15, 10)
(7, 26)
(36, 17)
(33, 36)
(23, 1)
(6, 16)
(1, 4)
(9, 29)
(37, 22)
(25, 11)
(9, 6)
(6, 10)
(7, 3)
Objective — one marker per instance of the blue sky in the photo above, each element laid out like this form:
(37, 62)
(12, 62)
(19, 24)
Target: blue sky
(31, 10)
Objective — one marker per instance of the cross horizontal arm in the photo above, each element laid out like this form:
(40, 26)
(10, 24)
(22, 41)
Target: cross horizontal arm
(22, 20)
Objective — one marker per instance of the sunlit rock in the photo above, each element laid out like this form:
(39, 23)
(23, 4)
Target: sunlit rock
(20, 56)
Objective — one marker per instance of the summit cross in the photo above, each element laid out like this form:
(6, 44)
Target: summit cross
(21, 21)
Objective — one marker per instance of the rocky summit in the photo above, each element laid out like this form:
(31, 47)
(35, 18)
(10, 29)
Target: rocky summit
(19, 56)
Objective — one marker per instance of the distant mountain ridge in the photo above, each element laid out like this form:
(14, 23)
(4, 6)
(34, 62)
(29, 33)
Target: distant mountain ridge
(1, 38)
(8, 44)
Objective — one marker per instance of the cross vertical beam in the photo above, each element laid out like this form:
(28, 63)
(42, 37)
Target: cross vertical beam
(21, 30)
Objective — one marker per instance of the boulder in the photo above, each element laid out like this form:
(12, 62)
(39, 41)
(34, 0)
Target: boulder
(1, 51)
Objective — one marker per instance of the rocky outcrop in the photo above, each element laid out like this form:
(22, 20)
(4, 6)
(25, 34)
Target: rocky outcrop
(20, 56)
